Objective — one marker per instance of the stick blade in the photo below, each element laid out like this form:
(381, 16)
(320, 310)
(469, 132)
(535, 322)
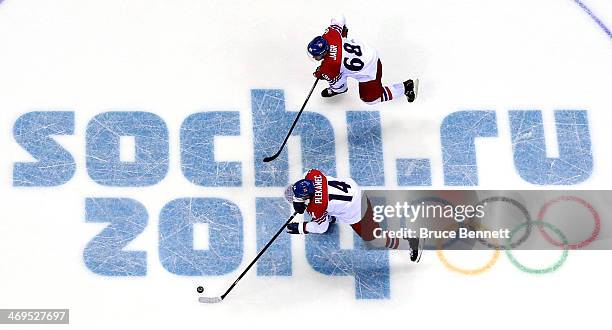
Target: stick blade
(210, 300)
(273, 157)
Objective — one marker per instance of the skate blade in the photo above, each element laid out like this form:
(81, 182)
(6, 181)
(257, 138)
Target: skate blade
(210, 300)
(421, 246)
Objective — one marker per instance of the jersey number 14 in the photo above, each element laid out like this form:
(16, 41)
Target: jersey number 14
(344, 187)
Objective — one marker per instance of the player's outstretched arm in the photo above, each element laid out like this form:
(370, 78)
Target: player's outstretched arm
(316, 227)
(313, 227)
(340, 21)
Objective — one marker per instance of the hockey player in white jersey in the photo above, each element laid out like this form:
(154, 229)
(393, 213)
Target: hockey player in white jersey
(328, 199)
(343, 57)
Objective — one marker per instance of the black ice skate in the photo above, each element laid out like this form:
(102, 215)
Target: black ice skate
(328, 92)
(411, 89)
(415, 249)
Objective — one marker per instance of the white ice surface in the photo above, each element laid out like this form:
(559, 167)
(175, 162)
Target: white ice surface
(175, 58)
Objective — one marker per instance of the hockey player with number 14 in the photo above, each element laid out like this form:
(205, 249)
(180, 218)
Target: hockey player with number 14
(327, 200)
(344, 57)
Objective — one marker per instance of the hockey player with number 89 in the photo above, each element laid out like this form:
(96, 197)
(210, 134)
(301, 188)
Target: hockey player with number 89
(328, 200)
(344, 57)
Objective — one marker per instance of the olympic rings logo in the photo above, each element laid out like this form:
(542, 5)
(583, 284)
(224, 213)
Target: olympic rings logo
(475, 271)
(561, 241)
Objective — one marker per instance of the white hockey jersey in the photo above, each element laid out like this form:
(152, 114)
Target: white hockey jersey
(338, 198)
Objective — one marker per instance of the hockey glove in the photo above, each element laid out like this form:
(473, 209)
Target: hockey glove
(319, 74)
(297, 228)
(344, 31)
(299, 207)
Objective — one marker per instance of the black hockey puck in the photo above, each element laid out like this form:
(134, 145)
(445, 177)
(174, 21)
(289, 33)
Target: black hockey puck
(200, 289)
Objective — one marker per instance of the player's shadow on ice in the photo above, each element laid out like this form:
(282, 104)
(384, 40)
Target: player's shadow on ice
(336, 100)
(401, 264)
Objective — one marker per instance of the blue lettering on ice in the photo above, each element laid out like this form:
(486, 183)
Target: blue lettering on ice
(104, 254)
(413, 172)
(271, 122)
(197, 149)
(271, 214)
(103, 161)
(458, 133)
(575, 161)
(54, 165)
(365, 148)
(370, 268)
(225, 233)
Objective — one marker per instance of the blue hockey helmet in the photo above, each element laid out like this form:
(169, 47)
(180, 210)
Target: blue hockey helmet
(303, 188)
(318, 47)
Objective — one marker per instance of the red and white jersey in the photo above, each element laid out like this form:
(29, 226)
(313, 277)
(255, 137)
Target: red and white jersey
(347, 57)
(340, 198)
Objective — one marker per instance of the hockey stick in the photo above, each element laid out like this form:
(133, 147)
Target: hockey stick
(212, 300)
(273, 157)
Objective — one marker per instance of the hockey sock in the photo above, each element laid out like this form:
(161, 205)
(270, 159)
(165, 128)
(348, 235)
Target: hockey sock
(390, 243)
(389, 93)
(394, 91)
